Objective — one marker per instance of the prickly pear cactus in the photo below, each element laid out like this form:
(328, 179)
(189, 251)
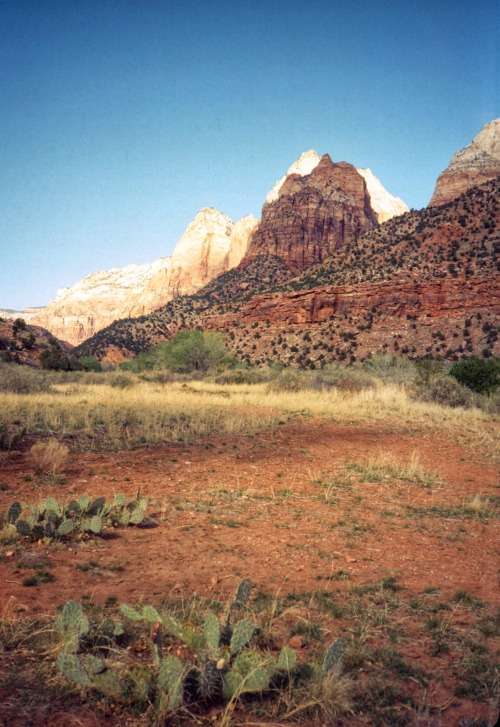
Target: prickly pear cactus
(130, 612)
(14, 512)
(249, 673)
(287, 659)
(211, 631)
(73, 624)
(171, 680)
(23, 527)
(149, 613)
(83, 502)
(242, 633)
(51, 505)
(69, 665)
(65, 528)
(96, 506)
(242, 593)
(137, 516)
(333, 656)
(209, 680)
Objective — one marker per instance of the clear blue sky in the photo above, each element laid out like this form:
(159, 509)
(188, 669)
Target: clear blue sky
(120, 119)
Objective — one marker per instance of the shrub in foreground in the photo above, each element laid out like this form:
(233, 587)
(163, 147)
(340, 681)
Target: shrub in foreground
(48, 457)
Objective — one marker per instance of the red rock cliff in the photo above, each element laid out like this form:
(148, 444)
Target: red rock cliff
(313, 216)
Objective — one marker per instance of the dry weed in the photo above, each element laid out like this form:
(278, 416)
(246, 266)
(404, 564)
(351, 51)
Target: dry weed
(49, 457)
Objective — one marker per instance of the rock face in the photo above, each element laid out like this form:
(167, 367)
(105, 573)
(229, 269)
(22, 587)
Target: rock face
(472, 166)
(211, 245)
(384, 204)
(433, 299)
(313, 216)
(304, 165)
(96, 301)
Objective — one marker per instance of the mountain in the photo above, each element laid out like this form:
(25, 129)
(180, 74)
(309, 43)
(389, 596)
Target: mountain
(126, 338)
(24, 344)
(384, 204)
(313, 216)
(211, 244)
(471, 166)
(423, 283)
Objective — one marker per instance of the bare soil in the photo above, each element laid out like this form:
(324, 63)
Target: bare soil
(284, 508)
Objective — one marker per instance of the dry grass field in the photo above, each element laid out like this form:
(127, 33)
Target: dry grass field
(361, 514)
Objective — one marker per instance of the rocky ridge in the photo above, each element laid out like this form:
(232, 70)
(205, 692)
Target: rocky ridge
(211, 244)
(424, 283)
(472, 166)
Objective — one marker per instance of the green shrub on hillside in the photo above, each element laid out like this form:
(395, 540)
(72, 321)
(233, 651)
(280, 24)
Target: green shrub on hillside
(480, 375)
(55, 359)
(191, 351)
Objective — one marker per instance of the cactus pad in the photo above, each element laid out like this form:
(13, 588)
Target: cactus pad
(69, 665)
(242, 633)
(333, 656)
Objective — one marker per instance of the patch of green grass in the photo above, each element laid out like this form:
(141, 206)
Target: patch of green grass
(38, 578)
(385, 467)
(451, 511)
(464, 598)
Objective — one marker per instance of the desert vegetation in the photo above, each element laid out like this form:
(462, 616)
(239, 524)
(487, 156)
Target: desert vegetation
(304, 545)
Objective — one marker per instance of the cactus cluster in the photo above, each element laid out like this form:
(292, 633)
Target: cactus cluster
(52, 519)
(219, 662)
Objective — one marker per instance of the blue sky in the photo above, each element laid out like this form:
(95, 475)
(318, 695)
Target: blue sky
(122, 118)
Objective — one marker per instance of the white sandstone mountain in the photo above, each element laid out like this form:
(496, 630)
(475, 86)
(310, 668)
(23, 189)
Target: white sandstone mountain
(472, 166)
(384, 204)
(211, 245)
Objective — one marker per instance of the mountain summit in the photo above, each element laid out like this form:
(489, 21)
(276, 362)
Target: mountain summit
(211, 245)
(384, 204)
(477, 163)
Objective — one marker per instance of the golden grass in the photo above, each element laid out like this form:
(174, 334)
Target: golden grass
(48, 457)
(149, 412)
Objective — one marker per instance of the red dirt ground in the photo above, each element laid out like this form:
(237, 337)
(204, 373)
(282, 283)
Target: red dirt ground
(227, 508)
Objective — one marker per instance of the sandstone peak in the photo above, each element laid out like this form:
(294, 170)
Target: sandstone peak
(210, 245)
(469, 167)
(313, 215)
(384, 204)
(483, 151)
(304, 165)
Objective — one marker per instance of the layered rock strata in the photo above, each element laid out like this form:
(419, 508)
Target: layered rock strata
(313, 216)
(470, 167)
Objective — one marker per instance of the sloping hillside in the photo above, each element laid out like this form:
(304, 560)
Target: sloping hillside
(424, 283)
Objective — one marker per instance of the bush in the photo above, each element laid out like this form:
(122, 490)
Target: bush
(248, 375)
(479, 375)
(397, 369)
(22, 380)
(89, 363)
(447, 391)
(55, 359)
(121, 381)
(191, 351)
